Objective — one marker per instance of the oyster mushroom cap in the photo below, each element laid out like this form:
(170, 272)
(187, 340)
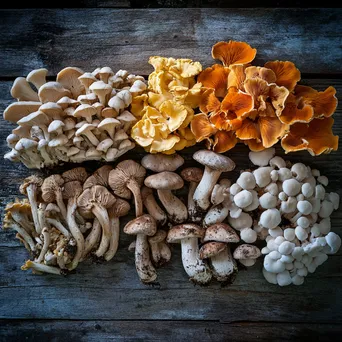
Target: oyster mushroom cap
(161, 162)
(52, 92)
(68, 77)
(76, 174)
(37, 118)
(37, 77)
(52, 110)
(18, 110)
(221, 232)
(127, 177)
(85, 111)
(87, 79)
(22, 90)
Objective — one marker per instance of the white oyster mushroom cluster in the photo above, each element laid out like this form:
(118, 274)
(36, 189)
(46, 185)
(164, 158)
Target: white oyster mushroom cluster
(80, 116)
(294, 219)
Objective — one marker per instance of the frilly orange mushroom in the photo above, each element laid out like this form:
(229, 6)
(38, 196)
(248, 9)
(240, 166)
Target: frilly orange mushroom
(316, 137)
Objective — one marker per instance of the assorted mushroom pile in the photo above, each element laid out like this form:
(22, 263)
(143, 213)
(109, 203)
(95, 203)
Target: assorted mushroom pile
(80, 116)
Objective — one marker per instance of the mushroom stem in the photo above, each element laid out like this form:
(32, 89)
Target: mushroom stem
(24, 234)
(19, 237)
(196, 269)
(143, 264)
(40, 267)
(92, 238)
(135, 189)
(23, 221)
(75, 231)
(58, 225)
(223, 265)
(176, 209)
(31, 194)
(61, 205)
(114, 240)
(46, 239)
(41, 215)
(102, 215)
(192, 209)
(205, 187)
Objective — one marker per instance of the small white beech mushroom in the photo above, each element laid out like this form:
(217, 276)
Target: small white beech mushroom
(164, 183)
(143, 226)
(217, 250)
(270, 218)
(126, 179)
(214, 164)
(187, 235)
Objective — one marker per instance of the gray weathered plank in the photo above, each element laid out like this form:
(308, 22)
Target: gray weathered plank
(89, 38)
(94, 331)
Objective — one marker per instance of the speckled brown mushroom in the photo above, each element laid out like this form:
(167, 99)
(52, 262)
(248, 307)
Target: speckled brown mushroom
(120, 208)
(164, 183)
(160, 162)
(220, 258)
(187, 235)
(143, 226)
(247, 254)
(97, 199)
(127, 178)
(193, 175)
(30, 187)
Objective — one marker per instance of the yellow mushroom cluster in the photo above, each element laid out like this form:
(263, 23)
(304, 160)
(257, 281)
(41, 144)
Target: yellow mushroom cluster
(167, 109)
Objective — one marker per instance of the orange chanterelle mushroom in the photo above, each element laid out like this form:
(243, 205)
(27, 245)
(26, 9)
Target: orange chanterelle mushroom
(259, 105)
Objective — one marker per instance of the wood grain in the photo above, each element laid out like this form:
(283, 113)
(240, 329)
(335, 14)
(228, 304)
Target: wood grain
(89, 38)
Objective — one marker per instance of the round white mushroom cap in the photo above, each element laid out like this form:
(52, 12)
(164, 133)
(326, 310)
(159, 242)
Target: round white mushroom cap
(270, 218)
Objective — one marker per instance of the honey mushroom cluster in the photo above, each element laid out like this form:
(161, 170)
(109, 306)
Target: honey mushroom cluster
(67, 218)
(261, 105)
(80, 116)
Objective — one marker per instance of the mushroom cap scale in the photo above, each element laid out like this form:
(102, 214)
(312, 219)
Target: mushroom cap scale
(214, 160)
(161, 162)
(221, 232)
(246, 251)
(144, 224)
(211, 249)
(124, 172)
(192, 174)
(164, 181)
(184, 231)
(76, 174)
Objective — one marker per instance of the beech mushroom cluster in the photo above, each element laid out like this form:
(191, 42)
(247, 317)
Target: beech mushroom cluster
(80, 116)
(67, 218)
(293, 213)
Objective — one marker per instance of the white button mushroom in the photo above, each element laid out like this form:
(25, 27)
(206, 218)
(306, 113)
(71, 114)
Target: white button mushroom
(284, 278)
(248, 235)
(262, 176)
(272, 188)
(273, 265)
(235, 189)
(289, 234)
(334, 242)
(303, 222)
(289, 206)
(275, 232)
(304, 207)
(274, 175)
(299, 171)
(277, 162)
(243, 199)
(270, 277)
(325, 225)
(319, 192)
(307, 190)
(291, 187)
(263, 157)
(323, 180)
(297, 280)
(301, 233)
(334, 198)
(246, 181)
(268, 201)
(243, 221)
(286, 247)
(282, 196)
(284, 174)
(270, 218)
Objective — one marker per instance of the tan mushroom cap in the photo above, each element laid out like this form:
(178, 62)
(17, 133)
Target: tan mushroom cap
(35, 119)
(87, 79)
(37, 77)
(246, 251)
(52, 92)
(159, 236)
(211, 249)
(68, 77)
(50, 186)
(125, 172)
(97, 194)
(22, 90)
(109, 125)
(144, 224)
(72, 189)
(161, 162)
(66, 102)
(17, 110)
(184, 231)
(52, 110)
(99, 177)
(85, 111)
(76, 174)
(221, 232)
(164, 181)
(192, 174)
(120, 208)
(214, 160)
(37, 181)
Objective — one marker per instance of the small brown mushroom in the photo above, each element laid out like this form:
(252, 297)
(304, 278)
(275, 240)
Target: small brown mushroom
(160, 250)
(127, 178)
(45, 236)
(160, 162)
(99, 177)
(247, 254)
(120, 208)
(143, 226)
(52, 188)
(96, 200)
(152, 206)
(76, 174)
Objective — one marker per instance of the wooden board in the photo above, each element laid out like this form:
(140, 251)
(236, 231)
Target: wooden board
(107, 301)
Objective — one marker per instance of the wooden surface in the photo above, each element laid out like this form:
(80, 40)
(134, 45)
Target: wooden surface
(103, 302)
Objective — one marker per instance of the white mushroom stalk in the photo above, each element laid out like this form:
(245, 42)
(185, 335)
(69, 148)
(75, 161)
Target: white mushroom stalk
(46, 242)
(35, 266)
(93, 238)
(100, 101)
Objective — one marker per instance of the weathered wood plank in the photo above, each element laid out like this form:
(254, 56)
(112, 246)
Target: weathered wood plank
(89, 38)
(93, 331)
